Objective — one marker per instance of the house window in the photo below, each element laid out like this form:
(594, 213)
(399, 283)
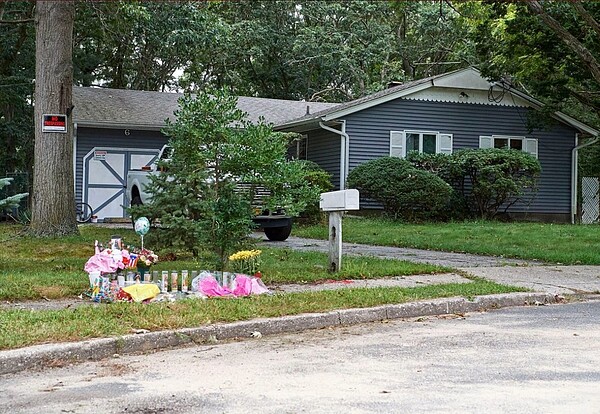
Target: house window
(424, 142)
(529, 145)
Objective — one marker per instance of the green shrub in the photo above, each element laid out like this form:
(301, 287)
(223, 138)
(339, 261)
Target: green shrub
(11, 201)
(492, 178)
(315, 176)
(438, 164)
(403, 190)
(445, 167)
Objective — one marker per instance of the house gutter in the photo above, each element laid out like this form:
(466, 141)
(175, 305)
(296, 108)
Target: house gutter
(574, 173)
(344, 140)
(75, 158)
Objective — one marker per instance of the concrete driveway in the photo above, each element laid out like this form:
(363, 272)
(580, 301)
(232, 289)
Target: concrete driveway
(549, 279)
(449, 259)
(529, 274)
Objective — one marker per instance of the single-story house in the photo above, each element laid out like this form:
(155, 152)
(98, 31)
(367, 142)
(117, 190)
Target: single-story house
(119, 130)
(446, 113)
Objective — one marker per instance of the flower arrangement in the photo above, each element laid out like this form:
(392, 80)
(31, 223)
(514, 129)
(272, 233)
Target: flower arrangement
(116, 257)
(246, 262)
(146, 258)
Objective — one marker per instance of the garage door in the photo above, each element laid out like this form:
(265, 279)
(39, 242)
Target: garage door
(105, 178)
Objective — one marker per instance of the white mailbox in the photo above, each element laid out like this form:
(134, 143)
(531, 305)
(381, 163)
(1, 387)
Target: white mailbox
(340, 200)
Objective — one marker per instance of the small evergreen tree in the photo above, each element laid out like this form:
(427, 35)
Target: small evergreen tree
(204, 199)
(12, 201)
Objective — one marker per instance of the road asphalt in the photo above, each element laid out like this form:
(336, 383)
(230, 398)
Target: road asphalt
(549, 284)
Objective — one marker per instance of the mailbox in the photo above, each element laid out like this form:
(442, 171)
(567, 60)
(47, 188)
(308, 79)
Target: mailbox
(340, 200)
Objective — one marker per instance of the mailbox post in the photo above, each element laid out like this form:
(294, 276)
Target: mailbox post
(336, 202)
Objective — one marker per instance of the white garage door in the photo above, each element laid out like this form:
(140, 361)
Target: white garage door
(105, 178)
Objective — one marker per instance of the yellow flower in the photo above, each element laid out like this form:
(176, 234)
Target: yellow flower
(246, 261)
(244, 255)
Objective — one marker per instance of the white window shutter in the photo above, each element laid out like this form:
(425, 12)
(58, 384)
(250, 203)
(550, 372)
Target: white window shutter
(397, 144)
(531, 146)
(486, 142)
(444, 144)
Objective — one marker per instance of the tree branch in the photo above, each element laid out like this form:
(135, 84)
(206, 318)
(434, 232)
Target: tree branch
(586, 98)
(585, 15)
(571, 41)
(16, 21)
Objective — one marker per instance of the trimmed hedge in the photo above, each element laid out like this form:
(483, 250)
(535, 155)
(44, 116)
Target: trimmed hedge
(404, 191)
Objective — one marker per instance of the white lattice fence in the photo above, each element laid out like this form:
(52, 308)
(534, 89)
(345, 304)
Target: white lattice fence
(590, 205)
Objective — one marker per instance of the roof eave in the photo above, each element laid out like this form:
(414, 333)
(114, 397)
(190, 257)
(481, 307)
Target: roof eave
(118, 125)
(377, 101)
(302, 124)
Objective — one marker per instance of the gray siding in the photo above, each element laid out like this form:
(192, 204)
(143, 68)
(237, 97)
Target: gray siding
(369, 132)
(88, 138)
(324, 148)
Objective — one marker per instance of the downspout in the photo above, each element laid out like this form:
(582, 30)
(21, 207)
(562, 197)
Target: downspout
(75, 159)
(343, 150)
(574, 174)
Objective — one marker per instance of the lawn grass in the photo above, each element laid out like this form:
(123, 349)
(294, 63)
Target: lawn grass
(20, 328)
(51, 268)
(554, 243)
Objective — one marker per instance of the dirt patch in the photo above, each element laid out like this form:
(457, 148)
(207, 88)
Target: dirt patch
(45, 305)
(114, 369)
(49, 292)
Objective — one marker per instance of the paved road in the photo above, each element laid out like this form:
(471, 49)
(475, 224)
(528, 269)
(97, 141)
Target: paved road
(537, 359)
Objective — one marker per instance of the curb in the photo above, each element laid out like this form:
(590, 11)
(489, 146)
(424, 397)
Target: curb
(40, 356)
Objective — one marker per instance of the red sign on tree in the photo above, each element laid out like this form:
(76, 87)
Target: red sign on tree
(54, 123)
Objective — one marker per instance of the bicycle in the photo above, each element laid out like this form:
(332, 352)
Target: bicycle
(83, 212)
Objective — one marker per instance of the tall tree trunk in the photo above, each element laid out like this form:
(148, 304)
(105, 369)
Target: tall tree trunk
(53, 209)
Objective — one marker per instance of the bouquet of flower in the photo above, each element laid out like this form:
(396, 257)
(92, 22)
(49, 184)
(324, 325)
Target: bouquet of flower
(142, 258)
(246, 262)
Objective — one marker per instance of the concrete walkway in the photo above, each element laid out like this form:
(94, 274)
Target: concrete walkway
(456, 260)
(529, 274)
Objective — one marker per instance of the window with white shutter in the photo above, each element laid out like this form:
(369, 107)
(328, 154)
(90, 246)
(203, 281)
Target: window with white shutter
(444, 143)
(425, 142)
(529, 145)
(396, 141)
(486, 142)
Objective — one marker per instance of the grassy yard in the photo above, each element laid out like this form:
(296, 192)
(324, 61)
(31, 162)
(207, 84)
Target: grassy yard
(555, 243)
(20, 328)
(53, 268)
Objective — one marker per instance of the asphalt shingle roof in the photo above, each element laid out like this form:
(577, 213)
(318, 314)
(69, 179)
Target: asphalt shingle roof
(102, 106)
(340, 107)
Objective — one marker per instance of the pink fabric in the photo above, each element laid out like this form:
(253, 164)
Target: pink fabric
(258, 287)
(103, 262)
(244, 286)
(210, 287)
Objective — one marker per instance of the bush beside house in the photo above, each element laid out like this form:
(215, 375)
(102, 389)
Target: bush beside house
(405, 191)
(484, 180)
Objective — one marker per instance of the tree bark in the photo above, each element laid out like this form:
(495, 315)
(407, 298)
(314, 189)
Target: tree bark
(53, 197)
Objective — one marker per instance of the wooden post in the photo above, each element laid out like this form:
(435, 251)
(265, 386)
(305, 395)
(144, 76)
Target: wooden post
(335, 203)
(335, 241)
